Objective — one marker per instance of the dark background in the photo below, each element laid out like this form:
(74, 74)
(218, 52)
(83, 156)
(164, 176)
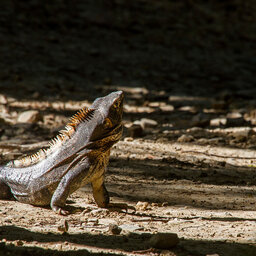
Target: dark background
(68, 49)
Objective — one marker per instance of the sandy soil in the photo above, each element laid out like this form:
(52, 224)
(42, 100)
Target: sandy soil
(188, 168)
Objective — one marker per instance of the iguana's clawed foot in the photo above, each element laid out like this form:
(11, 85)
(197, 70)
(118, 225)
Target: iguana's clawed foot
(60, 211)
(121, 206)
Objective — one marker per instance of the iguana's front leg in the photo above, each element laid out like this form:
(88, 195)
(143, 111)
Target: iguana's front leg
(101, 196)
(70, 182)
(100, 192)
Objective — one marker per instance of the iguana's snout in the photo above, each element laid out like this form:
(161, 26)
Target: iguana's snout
(109, 120)
(110, 106)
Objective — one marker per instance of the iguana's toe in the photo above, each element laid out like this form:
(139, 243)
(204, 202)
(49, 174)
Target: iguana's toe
(60, 211)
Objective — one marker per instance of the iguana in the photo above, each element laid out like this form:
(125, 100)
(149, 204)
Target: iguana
(77, 156)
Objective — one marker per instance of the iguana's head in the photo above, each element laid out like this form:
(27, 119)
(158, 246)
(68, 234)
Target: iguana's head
(108, 115)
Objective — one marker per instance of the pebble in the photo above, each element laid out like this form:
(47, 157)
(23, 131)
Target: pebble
(130, 228)
(30, 116)
(114, 229)
(167, 108)
(239, 132)
(3, 99)
(141, 205)
(164, 240)
(185, 138)
(128, 139)
(218, 121)
(18, 243)
(135, 131)
(146, 122)
(63, 227)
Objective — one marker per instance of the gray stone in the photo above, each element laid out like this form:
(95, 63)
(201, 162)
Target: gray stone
(146, 122)
(30, 116)
(114, 229)
(185, 138)
(131, 228)
(218, 121)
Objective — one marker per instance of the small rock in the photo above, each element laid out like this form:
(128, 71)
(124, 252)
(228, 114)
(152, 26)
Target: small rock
(195, 129)
(164, 240)
(130, 228)
(239, 132)
(128, 139)
(30, 116)
(18, 243)
(234, 115)
(146, 122)
(185, 138)
(135, 131)
(114, 229)
(93, 221)
(141, 205)
(167, 108)
(63, 227)
(3, 99)
(218, 121)
(191, 109)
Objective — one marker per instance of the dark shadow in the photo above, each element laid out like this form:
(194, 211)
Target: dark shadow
(130, 243)
(178, 183)
(65, 48)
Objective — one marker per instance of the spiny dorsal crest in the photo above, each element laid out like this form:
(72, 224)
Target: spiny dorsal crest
(82, 115)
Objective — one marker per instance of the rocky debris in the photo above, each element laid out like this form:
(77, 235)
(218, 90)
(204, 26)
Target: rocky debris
(135, 130)
(218, 121)
(30, 116)
(167, 108)
(114, 229)
(164, 240)
(130, 228)
(18, 243)
(3, 99)
(139, 127)
(185, 138)
(141, 206)
(63, 227)
(147, 123)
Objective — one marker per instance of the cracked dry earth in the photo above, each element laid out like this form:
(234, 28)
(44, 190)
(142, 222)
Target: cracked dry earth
(196, 182)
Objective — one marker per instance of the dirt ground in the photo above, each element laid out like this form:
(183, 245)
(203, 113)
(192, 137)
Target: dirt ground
(187, 158)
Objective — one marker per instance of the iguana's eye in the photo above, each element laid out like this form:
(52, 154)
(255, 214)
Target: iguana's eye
(116, 104)
(107, 123)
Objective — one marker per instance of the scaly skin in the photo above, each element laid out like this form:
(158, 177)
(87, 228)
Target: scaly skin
(78, 156)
